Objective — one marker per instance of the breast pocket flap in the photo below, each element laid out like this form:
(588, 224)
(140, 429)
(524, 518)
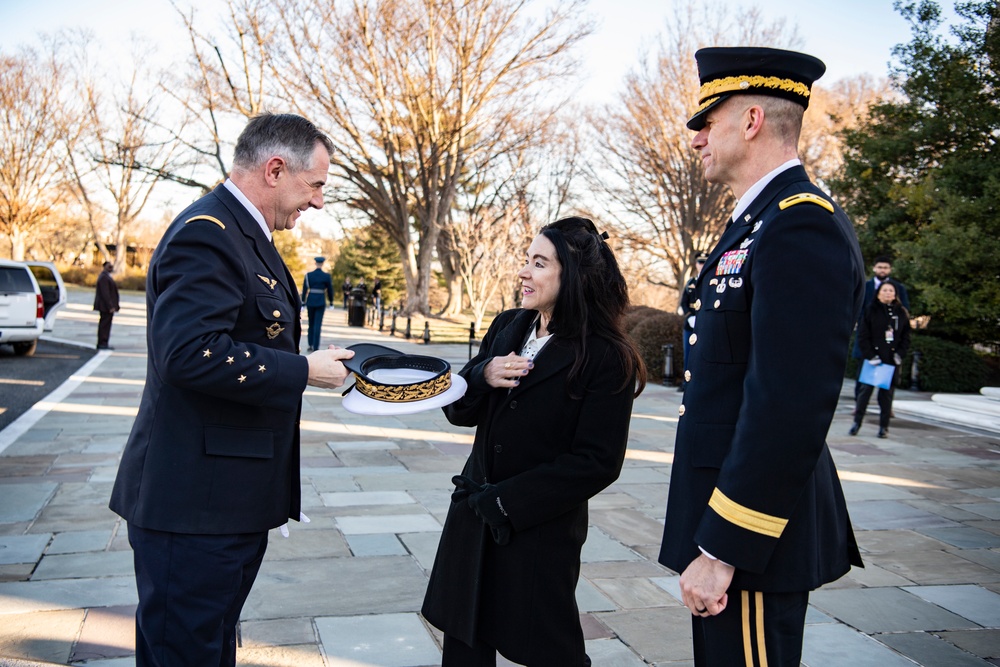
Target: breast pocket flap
(242, 442)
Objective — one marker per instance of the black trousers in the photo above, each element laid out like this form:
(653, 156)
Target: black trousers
(191, 591)
(104, 328)
(315, 325)
(755, 629)
(864, 394)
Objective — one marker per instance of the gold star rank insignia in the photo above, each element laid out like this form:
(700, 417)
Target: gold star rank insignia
(206, 354)
(241, 379)
(274, 330)
(261, 368)
(270, 282)
(229, 360)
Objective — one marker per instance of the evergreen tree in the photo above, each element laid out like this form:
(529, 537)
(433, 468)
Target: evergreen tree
(921, 177)
(369, 253)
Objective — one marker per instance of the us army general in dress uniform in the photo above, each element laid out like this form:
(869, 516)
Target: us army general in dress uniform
(212, 462)
(756, 516)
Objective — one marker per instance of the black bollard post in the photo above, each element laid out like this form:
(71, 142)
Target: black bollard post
(381, 319)
(407, 334)
(668, 364)
(392, 327)
(915, 371)
(427, 333)
(472, 337)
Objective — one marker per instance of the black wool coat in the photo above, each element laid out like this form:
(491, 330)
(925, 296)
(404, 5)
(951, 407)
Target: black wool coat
(548, 453)
(877, 319)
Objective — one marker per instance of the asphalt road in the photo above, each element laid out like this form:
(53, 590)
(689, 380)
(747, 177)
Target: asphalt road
(26, 380)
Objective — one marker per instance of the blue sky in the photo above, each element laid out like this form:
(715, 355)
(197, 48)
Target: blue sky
(851, 36)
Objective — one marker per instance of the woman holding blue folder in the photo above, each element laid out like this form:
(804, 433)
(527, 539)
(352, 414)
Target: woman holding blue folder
(884, 337)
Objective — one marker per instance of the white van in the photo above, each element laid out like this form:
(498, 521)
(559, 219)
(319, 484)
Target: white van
(31, 293)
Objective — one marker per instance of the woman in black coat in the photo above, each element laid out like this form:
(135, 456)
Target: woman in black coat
(884, 338)
(550, 394)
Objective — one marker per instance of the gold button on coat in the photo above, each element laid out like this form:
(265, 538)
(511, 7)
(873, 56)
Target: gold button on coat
(277, 313)
(697, 305)
(717, 303)
(681, 410)
(692, 339)
(687, 376)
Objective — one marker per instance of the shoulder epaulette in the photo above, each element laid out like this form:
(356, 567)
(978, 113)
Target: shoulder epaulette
(219, 222)
(804, 197)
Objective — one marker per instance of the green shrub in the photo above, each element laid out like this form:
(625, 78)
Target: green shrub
(635, 315)
(853, 364)
(944, 366)
(79, 275)
(651, 334)
(134, 279)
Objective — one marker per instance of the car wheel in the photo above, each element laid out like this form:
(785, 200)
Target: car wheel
(26, 349)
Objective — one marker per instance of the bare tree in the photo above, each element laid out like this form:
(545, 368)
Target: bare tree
(501, 204)
(412, 91)
(649, 178)
(117, 159)
(32, 136)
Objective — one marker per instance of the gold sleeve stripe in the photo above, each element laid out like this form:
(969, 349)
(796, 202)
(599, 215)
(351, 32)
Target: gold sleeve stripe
(758, 522)
(206, 217)
(805, 197)
(732, 84)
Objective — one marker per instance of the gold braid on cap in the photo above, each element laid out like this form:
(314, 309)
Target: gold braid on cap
(732, 84)
(403, 393)
(707, 103)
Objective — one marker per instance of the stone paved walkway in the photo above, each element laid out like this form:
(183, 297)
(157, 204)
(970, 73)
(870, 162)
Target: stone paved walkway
(345, 589)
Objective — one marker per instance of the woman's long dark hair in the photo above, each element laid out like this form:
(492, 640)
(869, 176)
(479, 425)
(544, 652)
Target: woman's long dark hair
(592, 296)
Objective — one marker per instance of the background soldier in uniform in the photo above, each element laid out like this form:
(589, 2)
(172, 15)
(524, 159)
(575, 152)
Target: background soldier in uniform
(756, 516)
(317, 291)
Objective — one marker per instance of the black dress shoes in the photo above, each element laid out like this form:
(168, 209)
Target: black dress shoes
(883, 433)
(854, 429)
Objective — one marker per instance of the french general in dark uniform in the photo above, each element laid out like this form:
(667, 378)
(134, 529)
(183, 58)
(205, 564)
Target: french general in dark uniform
(212, 462)
(756, 517)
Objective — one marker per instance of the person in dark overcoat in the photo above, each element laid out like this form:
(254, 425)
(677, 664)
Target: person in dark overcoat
(106, 303)
(317, 292)
(212, 462)
(881, 273)
(550, 394)
(346, 288)
(756, 517)
(884, 338)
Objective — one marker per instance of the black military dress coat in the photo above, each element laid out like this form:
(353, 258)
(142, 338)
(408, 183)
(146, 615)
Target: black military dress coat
(548, 453)
(215, 446)
(753, 482)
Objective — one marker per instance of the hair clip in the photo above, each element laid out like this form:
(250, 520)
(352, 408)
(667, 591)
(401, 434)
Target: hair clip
(604, 235)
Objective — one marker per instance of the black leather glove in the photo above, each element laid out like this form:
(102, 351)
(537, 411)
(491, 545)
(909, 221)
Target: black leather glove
(463, 487)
